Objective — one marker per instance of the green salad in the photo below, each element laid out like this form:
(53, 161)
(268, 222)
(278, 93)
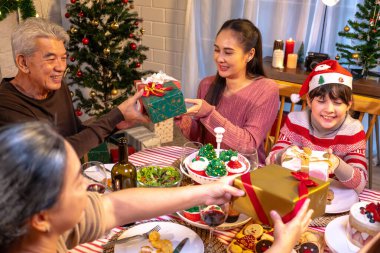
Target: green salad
(156, 176)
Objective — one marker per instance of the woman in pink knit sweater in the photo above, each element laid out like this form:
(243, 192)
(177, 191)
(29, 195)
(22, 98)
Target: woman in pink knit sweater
(327, 126)
(238, 98)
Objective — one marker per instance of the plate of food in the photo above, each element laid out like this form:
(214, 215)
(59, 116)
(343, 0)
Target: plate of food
(192, 217)
(336, 236)
(169, 233)
(340, 198)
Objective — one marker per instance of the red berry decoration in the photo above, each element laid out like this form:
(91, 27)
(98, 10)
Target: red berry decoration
(133, 46)
(78, 112)
(85, 41)
(67, 15)
(136, 23)
(81, 14)
(131, 35)
(125, 1)
(72, 59)
(79, 73)
(138, 64)
(73, 1)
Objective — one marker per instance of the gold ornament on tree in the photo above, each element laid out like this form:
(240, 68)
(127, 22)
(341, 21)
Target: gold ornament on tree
(114, 25)
(106, 51)
(355, 56)
(93, 94)
(73, 30)
(94, 22)
(71, 94)
(337, 57)
(142, 30)
(346, 28)
(114, 92)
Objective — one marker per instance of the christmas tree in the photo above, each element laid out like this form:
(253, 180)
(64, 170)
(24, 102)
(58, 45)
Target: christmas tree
(105, 53)
(364, 50)
(26, 8)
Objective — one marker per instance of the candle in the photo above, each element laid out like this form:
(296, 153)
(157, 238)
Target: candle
(289, 48)
(278, 58)
(292, 61)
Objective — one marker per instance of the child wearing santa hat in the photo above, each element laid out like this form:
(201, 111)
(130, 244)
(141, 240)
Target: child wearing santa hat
(326, 125)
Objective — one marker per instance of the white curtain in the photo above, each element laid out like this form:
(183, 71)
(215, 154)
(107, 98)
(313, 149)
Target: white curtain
(301, 20)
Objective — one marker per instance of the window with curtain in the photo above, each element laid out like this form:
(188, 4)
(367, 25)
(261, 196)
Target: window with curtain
(301, 20)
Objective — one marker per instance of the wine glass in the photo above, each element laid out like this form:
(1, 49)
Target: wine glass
(187, 149)
(213, 216)
(96, 176)
(252, 158)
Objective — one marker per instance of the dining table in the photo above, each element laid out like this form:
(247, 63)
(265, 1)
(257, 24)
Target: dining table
(167, 155)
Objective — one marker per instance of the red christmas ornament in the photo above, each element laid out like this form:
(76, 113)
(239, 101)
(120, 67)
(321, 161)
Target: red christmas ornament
(81, 14)
(73, 1)
(374, 30)
(72, 59)
(133, 46)
(136, 23)
(85, 41)
(79, 73)
(131, 35)
(138, 64)
(67, 15)
(125, 1)
(78, 112)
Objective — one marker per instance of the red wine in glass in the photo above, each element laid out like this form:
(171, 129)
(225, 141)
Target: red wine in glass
(94, 187)
(214, 217)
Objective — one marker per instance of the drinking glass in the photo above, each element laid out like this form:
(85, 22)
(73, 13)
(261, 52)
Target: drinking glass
(187, 149)
(252, 158)
(96, 176)
(213, 216)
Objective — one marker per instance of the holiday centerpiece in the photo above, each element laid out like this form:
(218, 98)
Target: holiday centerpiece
(209, 164)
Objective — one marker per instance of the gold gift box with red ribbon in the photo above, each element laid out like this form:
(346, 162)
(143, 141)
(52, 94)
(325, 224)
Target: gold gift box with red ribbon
(276, 188)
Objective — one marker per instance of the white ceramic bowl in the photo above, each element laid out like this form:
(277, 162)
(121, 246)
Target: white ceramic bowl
(205, 179)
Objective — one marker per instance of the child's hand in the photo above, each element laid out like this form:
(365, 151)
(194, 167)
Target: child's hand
(333, 161)
(292, 147)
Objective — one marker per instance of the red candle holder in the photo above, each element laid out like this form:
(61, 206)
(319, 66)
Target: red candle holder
(289, 49)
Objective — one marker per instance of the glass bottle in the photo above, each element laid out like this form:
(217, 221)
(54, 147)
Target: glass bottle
(123, 173)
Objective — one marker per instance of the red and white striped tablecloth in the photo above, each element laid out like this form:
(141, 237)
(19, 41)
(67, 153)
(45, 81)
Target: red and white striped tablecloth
(167, 155)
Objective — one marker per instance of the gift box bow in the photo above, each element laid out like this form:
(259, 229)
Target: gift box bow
(304, 182)
(155, 89)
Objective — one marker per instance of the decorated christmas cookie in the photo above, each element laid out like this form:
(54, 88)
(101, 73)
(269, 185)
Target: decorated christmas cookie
(192, 214)
(263, 245)
(216, 168)
(199, 163)
(226, 155)
(308, 247)
(235, 166)
(207, 151)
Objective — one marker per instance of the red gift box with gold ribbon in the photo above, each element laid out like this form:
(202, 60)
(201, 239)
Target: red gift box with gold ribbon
(276, 188)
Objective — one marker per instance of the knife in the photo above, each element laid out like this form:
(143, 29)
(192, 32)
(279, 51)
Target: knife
(180, 245)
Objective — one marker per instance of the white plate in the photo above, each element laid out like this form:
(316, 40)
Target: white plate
(344, 198)
(172, 231)
(225, 226)
(336, 238)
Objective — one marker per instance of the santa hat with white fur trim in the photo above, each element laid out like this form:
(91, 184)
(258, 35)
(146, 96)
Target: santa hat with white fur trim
(325, 72)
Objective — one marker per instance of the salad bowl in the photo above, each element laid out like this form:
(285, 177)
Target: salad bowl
(153, 175)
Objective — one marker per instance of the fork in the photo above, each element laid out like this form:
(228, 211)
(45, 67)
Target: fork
(126, 239)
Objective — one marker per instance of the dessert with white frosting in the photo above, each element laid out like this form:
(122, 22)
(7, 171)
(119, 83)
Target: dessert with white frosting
(363, 223)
